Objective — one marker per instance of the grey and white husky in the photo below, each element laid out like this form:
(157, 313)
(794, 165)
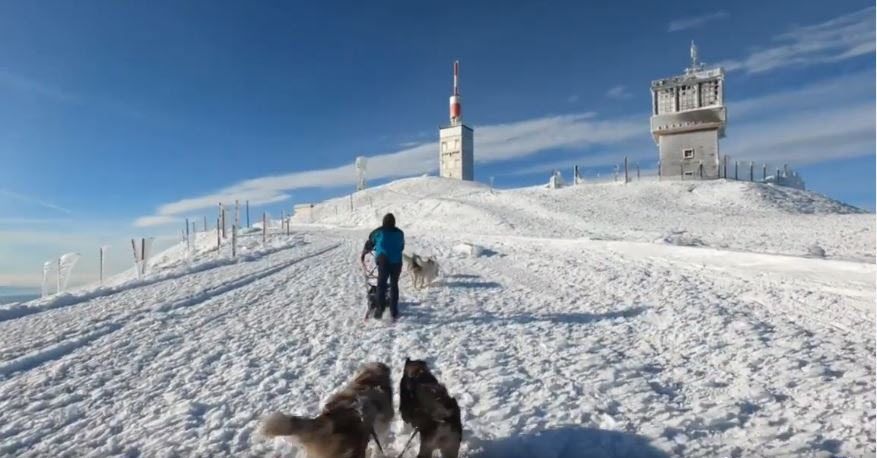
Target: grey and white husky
(423, 270)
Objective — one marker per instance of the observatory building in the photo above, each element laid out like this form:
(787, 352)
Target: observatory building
(688, 119)
(456, 141)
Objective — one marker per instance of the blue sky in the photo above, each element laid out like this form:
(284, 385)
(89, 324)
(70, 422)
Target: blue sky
(120, 119)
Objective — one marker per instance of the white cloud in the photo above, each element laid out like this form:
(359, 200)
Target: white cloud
(695, 21)
(494, 143)
(619, 93)
(838, 39)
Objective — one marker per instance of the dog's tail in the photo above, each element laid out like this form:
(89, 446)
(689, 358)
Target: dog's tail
(278, 424)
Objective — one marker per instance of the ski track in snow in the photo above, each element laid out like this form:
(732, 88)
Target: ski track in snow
(553, 347)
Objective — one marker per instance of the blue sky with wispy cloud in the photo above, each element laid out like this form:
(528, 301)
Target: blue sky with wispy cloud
(122, 120)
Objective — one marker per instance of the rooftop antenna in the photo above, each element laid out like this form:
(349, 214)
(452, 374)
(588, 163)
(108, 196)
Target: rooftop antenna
(695, 65)
(456, 101)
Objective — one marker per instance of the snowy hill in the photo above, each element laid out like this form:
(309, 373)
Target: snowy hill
(647, 320)
(721, 214)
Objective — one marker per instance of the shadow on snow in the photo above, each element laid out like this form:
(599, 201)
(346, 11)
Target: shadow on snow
(570, 441)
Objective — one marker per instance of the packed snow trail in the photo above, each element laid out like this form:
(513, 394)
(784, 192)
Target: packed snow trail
(551, 347)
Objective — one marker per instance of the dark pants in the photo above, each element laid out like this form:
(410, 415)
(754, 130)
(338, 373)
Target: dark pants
(388, 271)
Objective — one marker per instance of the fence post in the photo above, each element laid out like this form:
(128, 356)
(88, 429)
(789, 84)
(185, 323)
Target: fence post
(751, 171)
(626, 176)
(763, 172)
(700, 170)
(188, 246)
(234, 240)
(726, 166)
(218, 238)
(736, 168)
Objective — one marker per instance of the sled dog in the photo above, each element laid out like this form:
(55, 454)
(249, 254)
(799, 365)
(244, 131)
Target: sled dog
(426, 405)
(423, 271)
(348, 419)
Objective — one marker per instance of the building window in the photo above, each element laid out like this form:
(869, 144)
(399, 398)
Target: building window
(687, 97)
(689, 173)
(665, 101)
(709, 93)
(688, 153)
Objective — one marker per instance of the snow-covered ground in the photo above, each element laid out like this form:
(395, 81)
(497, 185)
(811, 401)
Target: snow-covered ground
(603, 320)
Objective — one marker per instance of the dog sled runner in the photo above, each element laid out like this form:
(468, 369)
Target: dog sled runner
(370, 270)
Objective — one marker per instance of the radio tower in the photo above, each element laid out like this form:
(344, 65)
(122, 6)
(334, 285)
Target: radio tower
(457, 146)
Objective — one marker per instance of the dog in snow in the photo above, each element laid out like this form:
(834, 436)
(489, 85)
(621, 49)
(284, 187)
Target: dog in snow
(426, 405)
(348, 420)
(423, 271)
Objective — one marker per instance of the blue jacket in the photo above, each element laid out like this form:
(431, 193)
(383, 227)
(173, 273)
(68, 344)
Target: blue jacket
(389, 242)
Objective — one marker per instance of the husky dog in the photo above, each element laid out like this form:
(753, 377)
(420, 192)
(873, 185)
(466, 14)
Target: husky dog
(426, 405)
(423, 271)
(349, 418)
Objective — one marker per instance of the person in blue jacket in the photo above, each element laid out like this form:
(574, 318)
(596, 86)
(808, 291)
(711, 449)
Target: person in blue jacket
(388, 242)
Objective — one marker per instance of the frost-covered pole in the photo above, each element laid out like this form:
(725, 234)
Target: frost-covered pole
(626, 176)
(234, 240)
(248, 214)
(47, 266)
(659, 170)
(237, 213)
(58, 288)
(143, 255)
(136, 258)
(736, 169)
(264, 227)
(218, 238)
(188, 244)
(763, 172)
(101, 276)
(751, 171)
(726, 166)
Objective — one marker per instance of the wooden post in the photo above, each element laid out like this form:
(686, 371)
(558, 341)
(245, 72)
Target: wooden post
(234, 241)
(237, 213)
(188, 246)
(218, 236)
(143, 254)
(659, 170)
(751, 171)
(726, 166)
(700, 170)
(736, 168)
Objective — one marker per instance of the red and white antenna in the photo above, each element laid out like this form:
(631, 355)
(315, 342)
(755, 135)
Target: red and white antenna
(456, 105)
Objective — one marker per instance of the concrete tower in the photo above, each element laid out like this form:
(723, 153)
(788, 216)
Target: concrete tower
(456, 141)
(688, 119)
